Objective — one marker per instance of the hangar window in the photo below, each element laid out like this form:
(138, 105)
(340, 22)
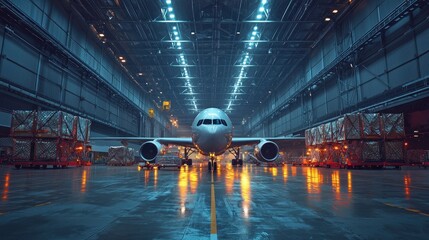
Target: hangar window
(217, 122)
(199, 122)
(207, 121)
(224, 122)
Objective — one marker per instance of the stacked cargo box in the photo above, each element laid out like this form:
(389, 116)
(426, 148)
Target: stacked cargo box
(360, 139)
(120, 156)
(44, 138)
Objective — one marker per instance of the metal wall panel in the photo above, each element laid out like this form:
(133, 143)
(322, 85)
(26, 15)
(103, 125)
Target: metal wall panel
(400, 54)
(403, 74)
(424, 63)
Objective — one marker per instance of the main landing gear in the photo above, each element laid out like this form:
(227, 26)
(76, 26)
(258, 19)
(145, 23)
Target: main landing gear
(187, 160)
(212, 163)
(236, 152)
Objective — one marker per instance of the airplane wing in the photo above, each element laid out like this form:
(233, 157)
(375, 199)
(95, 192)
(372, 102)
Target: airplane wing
(240, 141)
(186, 142)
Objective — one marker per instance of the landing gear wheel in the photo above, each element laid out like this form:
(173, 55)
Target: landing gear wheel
(214, 166)
(234, 162)
(189, 162)
(210, 165)
(240, 162)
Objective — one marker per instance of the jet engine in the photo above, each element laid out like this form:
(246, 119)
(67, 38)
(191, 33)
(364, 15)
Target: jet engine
(266, 151)
(149, 150)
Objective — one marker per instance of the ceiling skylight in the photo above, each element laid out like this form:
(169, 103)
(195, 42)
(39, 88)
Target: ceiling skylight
(245, 60)
(175, 36)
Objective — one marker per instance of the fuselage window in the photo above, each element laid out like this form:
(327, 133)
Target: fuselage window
(216, 122)
(224, 122)
(199, 122)
(207, 121)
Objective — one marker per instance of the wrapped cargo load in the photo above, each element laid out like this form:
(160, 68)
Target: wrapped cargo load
(371, 151)
(82, 129)
(308, 140)
(23, 123)
(393, 125)
(394, 151)
(371, 126)
(328, 134)
(361, 152)
(349, 127)
(417, 156)
(120, 156)
(22, 150)
(319, 136)
(313, 135)
(316, 156)
(334, 127)
(53, 150)
(55, 124)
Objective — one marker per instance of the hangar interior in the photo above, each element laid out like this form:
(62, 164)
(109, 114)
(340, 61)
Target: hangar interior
(332, 96)
(276, 67)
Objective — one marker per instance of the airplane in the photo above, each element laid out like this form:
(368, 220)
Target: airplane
(212, 135)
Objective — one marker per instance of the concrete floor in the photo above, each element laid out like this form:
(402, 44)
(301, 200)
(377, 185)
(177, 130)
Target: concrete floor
(251, 202)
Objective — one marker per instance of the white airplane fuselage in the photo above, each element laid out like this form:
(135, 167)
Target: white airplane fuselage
(212, 132)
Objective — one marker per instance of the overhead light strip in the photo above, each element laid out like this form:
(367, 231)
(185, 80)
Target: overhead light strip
(176, 43)
(252, 43)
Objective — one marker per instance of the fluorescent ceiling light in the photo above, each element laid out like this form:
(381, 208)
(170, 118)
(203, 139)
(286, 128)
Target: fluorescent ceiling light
(259, 16)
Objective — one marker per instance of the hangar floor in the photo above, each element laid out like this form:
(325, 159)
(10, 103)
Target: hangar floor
(251, 202)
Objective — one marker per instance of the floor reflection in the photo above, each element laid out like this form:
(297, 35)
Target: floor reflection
(336, 186)
(407, 183)
(188, 180)
(285, 173)
(246, 193)
(349, 182)
(314, 180)
(5, 187)
(83, 181)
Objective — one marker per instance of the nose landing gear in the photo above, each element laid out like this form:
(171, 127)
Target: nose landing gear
(236, 161)
(212, 163)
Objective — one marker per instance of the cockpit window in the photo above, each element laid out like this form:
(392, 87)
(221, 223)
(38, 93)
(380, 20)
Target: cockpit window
(216, 122)
(224, 122)
(207, 121)
(199, 122)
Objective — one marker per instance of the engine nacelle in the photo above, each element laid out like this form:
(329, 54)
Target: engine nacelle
(266, 151)
(149, 150)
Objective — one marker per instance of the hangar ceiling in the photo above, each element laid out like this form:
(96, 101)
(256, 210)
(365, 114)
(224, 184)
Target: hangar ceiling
(210, 53)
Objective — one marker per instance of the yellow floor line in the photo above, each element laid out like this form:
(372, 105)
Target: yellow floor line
(42, 204)
(408, 209)
(213, 226)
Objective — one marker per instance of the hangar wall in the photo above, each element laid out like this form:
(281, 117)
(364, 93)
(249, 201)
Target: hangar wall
(51, 58)
(370, 58)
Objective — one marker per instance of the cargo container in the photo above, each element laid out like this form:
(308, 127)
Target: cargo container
(83, 126)
(394, 151)
(23, 123)
(393, 126)
(120, 156)
(54, 124)
(371, 126)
